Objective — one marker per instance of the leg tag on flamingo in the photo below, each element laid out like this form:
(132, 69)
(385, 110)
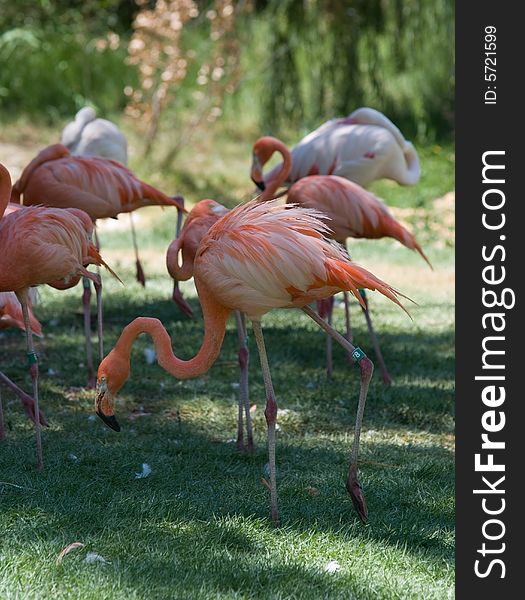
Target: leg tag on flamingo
(358, 354)
(32, 358)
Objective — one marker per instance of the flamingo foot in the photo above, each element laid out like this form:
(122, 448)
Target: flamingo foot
(356, 493)
(140, 276)
(243, 448)
(387, 380)
(29, 407)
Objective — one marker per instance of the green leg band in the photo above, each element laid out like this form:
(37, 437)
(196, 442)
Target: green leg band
(32, 358)
(358, 354)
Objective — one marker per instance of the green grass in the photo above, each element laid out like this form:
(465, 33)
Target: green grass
(198, 526)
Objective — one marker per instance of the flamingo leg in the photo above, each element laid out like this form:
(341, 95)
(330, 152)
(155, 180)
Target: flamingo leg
(348, 323)
(329, 348)
(23, 298)
(141, 278)
(244, 397)
(86, 304)
(270, 412)
(100, 323)
(325, 308)
(367, 368)
(2, 429)
(387, 380)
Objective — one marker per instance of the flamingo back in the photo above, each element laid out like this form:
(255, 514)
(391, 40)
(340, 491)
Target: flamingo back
(101, 187)
(264, 256)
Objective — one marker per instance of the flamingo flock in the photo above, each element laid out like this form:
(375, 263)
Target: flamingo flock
(262, 255)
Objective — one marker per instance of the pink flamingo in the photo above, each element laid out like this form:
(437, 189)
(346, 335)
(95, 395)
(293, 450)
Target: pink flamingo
(363, 147)
(258, 257)
(352, 210)
(100, 187)
(201, 217)
(41, 245)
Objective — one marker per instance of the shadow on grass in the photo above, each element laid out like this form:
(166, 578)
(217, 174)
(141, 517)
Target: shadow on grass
(203, 504)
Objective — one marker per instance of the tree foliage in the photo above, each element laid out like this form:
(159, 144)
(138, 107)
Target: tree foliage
(331, 56)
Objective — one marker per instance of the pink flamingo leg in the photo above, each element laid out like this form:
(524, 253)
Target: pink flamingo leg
(270, 412)
(244, 397)
(367, 368)
(348, 323)
(27, 402)
(2, 429)
(100, 323)
(23, 298)
(86, 304)
(140, 276)
(325, 309)
(387, 380)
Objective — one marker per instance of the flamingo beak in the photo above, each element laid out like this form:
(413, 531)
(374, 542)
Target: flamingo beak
(257, 173)
(260, 184)
(110, 421)
(103, 405)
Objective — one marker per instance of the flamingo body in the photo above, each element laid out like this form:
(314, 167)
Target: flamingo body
(41, 245)
(261, 256)
(363, 147)
(352, 211)
(102, 188)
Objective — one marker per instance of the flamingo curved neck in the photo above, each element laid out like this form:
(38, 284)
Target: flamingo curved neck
(179, 272)
(215, 317)
(279, 178)
(182, 272)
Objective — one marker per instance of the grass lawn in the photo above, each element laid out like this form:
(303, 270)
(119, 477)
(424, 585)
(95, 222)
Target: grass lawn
(198, 526)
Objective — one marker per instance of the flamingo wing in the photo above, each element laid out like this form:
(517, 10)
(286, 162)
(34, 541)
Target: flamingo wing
(260, 257)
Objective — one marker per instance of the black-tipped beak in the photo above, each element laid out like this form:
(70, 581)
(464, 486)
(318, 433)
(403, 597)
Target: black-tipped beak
(110, 421)
(260, 184)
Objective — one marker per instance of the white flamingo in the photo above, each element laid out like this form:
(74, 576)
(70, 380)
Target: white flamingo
(363, 147)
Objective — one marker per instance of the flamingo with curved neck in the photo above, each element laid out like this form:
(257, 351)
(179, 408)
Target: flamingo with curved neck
(363, 147)
(258, 257)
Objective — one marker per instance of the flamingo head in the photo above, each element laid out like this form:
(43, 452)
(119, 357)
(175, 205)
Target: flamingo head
(263, 149)
(256, 172)
(113, 373)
